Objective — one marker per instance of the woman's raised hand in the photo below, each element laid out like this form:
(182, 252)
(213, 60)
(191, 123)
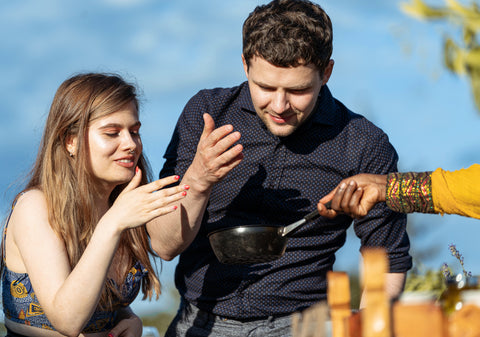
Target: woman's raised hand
(137, 205)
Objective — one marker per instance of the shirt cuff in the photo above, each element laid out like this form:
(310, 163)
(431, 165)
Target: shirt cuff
(409, 192)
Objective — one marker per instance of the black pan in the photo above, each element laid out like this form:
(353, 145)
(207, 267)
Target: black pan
(254, 243)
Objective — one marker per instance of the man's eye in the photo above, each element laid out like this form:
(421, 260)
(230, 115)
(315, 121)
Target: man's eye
(299, 91)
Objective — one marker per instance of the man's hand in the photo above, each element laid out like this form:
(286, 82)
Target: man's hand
(355, 196)
(216, 155)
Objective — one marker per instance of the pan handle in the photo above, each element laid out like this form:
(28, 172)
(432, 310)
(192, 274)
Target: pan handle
(314, 214)
(310, 216)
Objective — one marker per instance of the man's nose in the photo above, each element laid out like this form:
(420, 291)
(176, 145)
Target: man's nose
(280, 102)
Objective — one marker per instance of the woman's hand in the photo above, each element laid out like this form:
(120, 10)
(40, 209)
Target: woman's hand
(355, 196)
(130, 326)
(137, 205)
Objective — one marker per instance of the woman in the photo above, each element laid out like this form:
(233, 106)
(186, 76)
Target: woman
(75, 248)
(440, 191)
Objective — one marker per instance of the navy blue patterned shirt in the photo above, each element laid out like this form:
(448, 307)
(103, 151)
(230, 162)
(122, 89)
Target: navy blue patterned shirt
(278, 182)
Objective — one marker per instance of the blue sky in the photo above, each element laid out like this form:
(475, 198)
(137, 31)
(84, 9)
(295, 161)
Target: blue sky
(388, 67)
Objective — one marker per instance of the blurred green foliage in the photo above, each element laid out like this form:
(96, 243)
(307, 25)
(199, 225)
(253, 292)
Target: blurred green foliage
(422, 279)
(160, 321)
(462, 57)
(355, 290)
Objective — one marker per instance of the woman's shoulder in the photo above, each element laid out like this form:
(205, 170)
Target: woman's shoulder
(30, 198)
(30, 207)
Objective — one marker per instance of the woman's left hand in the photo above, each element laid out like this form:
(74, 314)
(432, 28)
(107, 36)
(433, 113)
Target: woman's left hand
(127, 327)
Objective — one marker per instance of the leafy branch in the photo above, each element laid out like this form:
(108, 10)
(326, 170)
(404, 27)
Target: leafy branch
(463, 57)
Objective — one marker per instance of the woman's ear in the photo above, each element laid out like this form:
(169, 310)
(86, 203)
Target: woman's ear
(71, 145)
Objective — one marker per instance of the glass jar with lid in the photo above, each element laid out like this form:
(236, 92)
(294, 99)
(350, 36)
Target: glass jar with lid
(452, 298)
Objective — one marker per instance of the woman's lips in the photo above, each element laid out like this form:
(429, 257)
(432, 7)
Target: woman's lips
(125, 163)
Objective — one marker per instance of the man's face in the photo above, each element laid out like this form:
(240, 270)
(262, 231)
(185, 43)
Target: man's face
(284, 97)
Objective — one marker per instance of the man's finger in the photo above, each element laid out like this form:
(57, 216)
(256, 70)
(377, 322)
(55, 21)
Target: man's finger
(208, 126)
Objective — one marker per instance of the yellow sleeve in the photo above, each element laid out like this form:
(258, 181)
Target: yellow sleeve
(457, 192)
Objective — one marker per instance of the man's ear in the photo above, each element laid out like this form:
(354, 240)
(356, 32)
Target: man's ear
(327, 72)
(245, 66)
(71, 145)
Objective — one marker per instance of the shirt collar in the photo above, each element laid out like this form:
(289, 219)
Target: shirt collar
(246, 99)
(323, 113)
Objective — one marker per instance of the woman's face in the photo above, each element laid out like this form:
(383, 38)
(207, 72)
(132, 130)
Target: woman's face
(114, 146)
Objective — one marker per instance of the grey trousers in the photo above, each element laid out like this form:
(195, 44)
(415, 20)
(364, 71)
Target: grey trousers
(193, 322)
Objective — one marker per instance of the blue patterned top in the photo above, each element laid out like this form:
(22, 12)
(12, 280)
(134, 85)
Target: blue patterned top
(280, 180)
(20, 304)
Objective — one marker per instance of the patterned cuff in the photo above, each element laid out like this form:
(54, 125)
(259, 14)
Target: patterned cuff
(410, 192)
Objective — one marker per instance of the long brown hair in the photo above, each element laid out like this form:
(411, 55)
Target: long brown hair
(66, 182)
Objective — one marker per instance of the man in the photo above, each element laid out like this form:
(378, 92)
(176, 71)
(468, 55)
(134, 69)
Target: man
(269, 150)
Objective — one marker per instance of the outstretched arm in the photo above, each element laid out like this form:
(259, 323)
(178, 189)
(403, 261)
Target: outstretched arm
(403, 192)
(355, 196)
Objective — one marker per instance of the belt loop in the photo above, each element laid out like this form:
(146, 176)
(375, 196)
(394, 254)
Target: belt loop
(201, 318)
(270, 322)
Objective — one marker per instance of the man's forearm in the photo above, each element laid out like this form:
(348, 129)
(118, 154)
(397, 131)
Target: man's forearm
(394, 284)
(172, 233)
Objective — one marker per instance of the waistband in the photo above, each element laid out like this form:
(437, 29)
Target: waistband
(190, 309)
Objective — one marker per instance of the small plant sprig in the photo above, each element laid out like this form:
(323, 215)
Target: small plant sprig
(459, 257)
(423, 279)
(446, 271)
